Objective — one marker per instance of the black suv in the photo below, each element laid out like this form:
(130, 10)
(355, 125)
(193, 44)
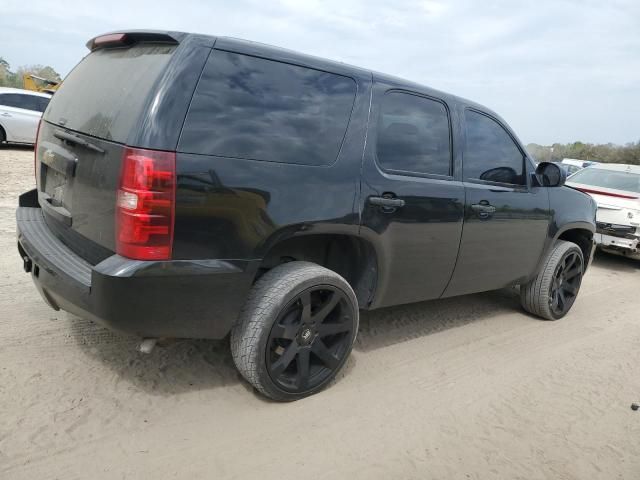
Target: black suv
(194, 186)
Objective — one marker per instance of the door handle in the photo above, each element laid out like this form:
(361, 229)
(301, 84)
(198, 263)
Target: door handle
(6, 114)
(483, 209)
(388, 202)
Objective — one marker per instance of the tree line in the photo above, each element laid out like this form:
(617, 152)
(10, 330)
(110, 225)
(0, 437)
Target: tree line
(607, 153)
(10, 78)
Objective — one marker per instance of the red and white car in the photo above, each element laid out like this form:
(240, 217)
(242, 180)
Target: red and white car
(616, 190)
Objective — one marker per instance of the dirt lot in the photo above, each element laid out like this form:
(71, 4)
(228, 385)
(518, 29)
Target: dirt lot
(467, 388)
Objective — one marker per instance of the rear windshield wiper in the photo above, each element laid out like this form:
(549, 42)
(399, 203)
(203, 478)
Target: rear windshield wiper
(68, 137)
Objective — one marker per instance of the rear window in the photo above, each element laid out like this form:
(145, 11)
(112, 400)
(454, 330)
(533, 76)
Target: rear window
(252, 108)
(106, 93)
(599, 177)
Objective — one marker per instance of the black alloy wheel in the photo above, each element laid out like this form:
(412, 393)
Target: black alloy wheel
(551, 293)
(566, 283)
(295, 331)
(310, 339)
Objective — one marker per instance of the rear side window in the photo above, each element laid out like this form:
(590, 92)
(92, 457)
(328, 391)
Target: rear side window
(105, 94)
(16, 100)
(490, 153)
(252, 108)
(413, 135)
(39, 103)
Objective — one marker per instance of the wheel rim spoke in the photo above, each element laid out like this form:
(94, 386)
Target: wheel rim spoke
(303, 368)
(554, 300)
(285, 359)
(327, 329)
(324, 354)
(562, 301)
(572, 273)
(327, 307)
(287, 332)
(305, 299)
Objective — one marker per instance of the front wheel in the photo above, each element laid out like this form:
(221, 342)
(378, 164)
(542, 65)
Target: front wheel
(296, 330)
(552, 292)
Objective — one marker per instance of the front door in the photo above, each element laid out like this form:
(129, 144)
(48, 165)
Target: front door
(411, 205)
(506, 219)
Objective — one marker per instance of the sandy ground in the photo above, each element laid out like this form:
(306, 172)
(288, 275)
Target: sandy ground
(466, 388)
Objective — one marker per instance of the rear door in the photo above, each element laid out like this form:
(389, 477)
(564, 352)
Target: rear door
(98, 110)
(506, 219)
(412, 205)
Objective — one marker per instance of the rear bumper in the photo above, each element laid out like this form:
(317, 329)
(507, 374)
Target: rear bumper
(622, 239)
(625, 245)
(181, 299)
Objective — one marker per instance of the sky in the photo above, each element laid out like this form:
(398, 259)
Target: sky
(556, 70)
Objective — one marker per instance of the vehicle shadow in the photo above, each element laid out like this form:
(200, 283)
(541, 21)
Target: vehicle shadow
(388, 326)
(188, 365)
(14, 146)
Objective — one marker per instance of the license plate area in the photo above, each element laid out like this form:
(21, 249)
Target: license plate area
(58, 167)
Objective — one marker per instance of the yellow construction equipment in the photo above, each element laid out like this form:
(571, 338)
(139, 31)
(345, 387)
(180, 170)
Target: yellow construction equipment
(39, 84)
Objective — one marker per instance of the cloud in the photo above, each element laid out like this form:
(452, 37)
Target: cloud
(556, 70)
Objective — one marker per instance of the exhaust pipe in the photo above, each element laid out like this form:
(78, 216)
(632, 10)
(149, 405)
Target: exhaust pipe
(147, 345)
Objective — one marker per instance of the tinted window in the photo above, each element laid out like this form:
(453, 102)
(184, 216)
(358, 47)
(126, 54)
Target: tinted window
(413, 135)
(599, 177)
(248, 107)
(104, 95)
(15, 100)
(490, 153)
(40, 103)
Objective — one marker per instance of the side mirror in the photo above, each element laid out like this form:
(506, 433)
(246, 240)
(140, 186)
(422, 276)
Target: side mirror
(549, 174)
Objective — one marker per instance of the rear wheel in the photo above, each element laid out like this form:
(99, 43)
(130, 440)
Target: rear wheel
(553, 291)
(296, 330)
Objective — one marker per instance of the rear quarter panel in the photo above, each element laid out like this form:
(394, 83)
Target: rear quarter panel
(233, 208)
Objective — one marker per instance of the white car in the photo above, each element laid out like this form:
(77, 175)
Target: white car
(20, 112)
(616, 190)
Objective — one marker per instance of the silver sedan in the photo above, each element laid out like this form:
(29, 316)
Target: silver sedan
(20, 112)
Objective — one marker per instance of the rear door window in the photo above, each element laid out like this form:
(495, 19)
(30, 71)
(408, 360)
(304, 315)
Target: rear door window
(106, 92)
(490, 153)
(16, 100)
(413, 135)
(253, 108)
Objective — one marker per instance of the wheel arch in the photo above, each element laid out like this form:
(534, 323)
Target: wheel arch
(580, 233)
(345, 253)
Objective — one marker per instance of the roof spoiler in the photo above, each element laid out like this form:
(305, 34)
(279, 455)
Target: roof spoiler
(122, 39)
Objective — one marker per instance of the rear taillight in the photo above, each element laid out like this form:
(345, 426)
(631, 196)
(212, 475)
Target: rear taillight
(35, 153)
(145, 206)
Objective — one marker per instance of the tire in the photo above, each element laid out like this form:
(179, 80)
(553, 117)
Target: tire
(295, 331)
(3, 136)
(552, 292)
